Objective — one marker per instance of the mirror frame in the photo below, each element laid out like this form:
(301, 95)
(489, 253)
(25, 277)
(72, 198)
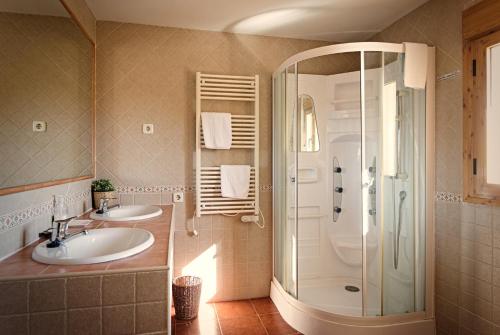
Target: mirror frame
(35, 186)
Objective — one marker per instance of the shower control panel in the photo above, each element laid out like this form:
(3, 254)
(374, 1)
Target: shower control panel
(338, 189)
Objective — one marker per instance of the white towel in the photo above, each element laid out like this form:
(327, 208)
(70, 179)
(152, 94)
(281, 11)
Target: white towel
(217, 130)
(235, 181)
(415, 65)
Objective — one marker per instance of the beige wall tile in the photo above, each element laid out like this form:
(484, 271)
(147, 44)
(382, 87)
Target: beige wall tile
(118, 320)
(47, 295)
(48, 323)
(147, 199)
(118, 289)
(85, 321)
(151, 317)
(13, 297)
(151, 286)
(14, 324)
(84, 292)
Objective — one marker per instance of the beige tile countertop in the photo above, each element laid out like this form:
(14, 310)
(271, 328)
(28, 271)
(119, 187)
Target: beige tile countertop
(22, 265)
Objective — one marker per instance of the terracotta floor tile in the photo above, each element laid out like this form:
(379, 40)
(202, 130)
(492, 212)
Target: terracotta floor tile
(275, 325)
(247, 325)
(235, 318)
(205, 312)
(234, 309)
(198, 327)
(264, 306)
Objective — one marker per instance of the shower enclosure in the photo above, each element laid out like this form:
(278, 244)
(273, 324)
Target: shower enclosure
(353, 190)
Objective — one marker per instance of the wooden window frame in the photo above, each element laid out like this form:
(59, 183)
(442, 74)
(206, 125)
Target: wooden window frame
(481, 30)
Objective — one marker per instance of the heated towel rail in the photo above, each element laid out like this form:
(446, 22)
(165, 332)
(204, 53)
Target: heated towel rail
(245, 135)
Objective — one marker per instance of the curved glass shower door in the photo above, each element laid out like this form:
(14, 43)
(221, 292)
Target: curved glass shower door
(284, 179)
(349, 182)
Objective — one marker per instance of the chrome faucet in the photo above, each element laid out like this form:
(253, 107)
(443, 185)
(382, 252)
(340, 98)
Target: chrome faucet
(60, 232)
(104, 207)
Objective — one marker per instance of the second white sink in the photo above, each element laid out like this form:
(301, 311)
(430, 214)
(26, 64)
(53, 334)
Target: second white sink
(128, 213)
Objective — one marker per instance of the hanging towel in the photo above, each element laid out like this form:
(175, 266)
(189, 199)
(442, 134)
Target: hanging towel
(415, 65)
(217, 130)
(235, 181)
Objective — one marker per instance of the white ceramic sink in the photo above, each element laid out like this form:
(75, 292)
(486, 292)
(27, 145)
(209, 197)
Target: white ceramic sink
(128, 213)
(99, 245)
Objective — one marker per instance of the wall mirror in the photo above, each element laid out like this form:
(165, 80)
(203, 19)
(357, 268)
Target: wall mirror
(46, 96)
(309, 139)
(482, 103)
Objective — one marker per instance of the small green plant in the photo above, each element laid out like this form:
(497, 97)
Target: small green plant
(102, 185)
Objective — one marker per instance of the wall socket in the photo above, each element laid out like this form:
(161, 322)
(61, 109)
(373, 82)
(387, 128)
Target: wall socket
(178, 197)
(148, 128)
(39, 126)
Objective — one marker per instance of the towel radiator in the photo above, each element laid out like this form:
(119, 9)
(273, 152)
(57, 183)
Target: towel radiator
(245, 135)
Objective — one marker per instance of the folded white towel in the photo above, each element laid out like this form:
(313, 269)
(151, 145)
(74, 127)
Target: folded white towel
(235, 181)
(217, 130)
(415, 65)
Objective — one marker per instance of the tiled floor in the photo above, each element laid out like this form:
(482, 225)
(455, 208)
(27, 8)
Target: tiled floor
(244, 317)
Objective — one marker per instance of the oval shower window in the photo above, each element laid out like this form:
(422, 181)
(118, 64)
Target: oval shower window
(309, 139)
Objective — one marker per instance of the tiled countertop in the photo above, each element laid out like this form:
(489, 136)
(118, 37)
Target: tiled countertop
(22, 265)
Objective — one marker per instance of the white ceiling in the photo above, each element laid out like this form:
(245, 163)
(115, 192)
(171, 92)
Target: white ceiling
(329, 20)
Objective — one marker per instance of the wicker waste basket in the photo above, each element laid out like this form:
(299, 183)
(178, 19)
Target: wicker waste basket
(186, 291)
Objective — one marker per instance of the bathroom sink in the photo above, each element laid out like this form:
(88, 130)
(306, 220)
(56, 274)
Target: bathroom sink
(97, 246)
(128, 213)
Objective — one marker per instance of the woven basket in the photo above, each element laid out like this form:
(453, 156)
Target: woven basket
(186, 291)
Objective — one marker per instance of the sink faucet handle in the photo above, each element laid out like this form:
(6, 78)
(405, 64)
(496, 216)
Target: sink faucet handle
(103, 205)
(60, 227)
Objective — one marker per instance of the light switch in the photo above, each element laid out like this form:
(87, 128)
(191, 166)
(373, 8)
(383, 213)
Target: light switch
(39, 126)
(148, 128)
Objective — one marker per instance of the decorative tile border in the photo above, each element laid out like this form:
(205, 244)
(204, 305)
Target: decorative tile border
(19, 217)
(448, 196)
(154, 189)
(170, 188)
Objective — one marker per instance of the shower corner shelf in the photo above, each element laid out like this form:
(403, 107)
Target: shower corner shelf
(245, 132)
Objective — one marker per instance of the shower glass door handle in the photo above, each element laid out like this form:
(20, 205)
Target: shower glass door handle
(397, 229)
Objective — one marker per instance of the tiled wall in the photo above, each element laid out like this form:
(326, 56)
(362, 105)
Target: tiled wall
(121, 303)
(146, 74)
(47, 76)
(468, 254)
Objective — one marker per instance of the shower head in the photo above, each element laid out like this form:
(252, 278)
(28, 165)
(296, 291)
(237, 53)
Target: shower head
(402, 195)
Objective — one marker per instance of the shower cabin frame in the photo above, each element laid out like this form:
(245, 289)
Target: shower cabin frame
(311, 320)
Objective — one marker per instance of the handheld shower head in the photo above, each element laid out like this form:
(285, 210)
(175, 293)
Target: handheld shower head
(402, 195)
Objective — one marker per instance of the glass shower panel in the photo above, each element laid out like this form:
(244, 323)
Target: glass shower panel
(279, 179)
(372, 76)
(284, 192)
(402, 190)
(291, 99)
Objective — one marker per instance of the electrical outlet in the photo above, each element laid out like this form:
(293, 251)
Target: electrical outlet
(178, 197)
(148, 128)
(39, 126)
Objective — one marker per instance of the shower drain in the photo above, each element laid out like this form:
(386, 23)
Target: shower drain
(351, 288)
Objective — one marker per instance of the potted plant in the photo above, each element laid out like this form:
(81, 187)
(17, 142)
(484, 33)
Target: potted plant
(102, 188)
